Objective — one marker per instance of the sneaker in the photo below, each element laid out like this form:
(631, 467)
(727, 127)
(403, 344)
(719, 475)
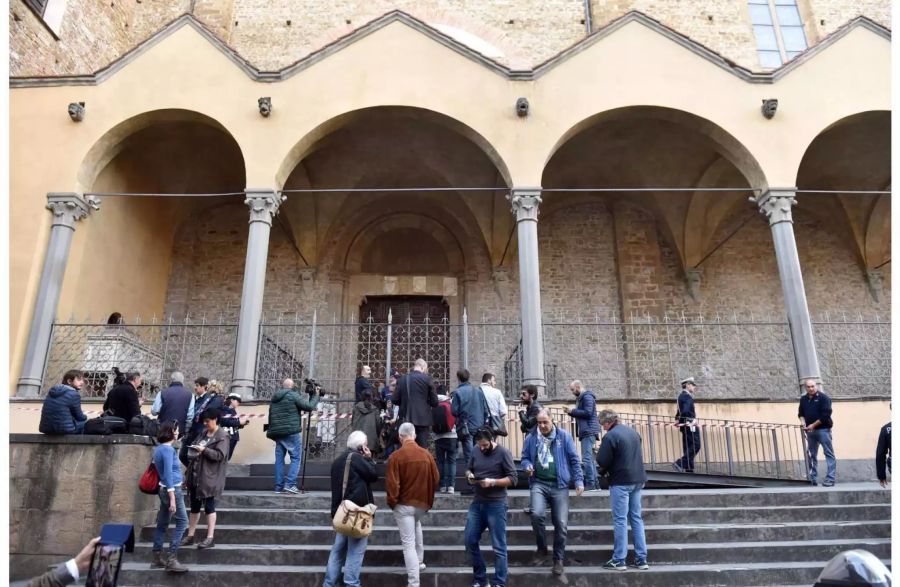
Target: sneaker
(614, 565)
(279, 490)
(641, 564)
(187, 541)
(813, 482)
(558, 568)
(450, 491)
(443, 490)
(527, 510)
(422, 567)
(678, 467)
(292, 489)
(828, 484)
(208, 543)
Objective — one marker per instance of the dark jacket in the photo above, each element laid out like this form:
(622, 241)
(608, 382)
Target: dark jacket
(368, 419)
(620, 457)
(469, 401)
(528, 417)
(359, 482)
(362, 384)
(207, 401)
(61, 409)
(230, 421)
(56, 577)
(816, 408)
(176, 400)
(685, 410)
(122, 400)
(565, 455)
(585, 414)
(284, 412)
(206, 472)
(416, 396)
(883, 452)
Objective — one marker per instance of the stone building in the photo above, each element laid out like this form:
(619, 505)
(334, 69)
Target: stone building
(547, 190)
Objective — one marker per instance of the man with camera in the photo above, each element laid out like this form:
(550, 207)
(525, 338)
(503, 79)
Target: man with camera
(284, 428)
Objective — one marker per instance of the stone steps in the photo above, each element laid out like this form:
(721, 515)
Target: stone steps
(696, 537)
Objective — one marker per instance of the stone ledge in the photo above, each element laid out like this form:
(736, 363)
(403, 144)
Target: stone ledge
(79, 439)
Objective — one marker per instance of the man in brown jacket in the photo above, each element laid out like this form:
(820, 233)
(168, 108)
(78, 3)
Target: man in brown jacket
(411, 480)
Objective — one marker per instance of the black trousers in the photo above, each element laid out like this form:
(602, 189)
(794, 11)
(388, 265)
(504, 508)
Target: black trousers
(423, 435)
(690, 443)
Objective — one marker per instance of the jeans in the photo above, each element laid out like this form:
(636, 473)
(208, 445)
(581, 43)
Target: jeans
(410, 525)
(446, 448)
(423, 435)
(482, 515)
(625, 501)
(588, 464)
(821, 436)
(466, 443)
(291, 445)
(558, 498)
(347, 553)
(690, 444)
(163, 518)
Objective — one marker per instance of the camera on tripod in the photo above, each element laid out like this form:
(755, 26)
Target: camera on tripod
(312, 387)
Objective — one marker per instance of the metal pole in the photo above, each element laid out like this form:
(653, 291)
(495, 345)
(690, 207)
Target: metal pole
(312, 374)
(650, 441)
(728, 449)
(390, 336)
(775, 450)
(465, 339)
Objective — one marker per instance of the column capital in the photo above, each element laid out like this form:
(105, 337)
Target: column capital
(776, 204)
(264, 204)
(525, 203)
(70, 207)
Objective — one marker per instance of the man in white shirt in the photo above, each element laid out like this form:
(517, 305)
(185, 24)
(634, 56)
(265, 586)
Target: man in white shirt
(494, 397)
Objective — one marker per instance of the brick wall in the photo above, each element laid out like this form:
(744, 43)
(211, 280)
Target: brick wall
(526, 32)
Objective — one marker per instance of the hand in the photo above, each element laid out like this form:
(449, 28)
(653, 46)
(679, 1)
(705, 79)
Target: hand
(530, 470)
(83, 558)
(470, 476)
(366, 452)
(579, 490)
(487, 483)
(883, 482)
(172, 507)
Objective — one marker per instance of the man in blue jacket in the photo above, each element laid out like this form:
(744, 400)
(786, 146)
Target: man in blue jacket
(61, 412)
(587, 428)
(551, 462)
(471, 411)
(815, 415)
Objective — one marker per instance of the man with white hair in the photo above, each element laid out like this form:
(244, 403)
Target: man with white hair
(348, 553)
(416, 396)
(175, 403)
(411, 480)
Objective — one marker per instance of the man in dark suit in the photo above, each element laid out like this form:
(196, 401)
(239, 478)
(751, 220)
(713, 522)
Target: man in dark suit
(415, 397)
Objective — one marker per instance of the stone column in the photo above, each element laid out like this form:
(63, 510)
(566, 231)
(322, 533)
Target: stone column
(67, 208)
(525, 203)
(264, 206)
(776, 205)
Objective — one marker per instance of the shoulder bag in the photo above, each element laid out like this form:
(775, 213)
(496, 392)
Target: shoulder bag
(350, 519)
(497, 424)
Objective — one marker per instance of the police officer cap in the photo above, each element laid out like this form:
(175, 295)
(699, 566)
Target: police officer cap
(688, 380)
(236, 396)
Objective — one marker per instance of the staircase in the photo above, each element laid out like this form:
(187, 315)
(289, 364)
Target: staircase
(696, 537)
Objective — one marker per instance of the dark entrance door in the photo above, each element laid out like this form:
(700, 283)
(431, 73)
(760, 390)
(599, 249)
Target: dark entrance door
(420, 329)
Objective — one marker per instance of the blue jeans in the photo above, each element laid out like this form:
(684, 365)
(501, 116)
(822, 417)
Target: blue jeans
(483, 515)
(291, 445)
(625, 501)
(163, 518)
(446, 460)
(814, 439)
(347, 553)
(558, 498)
(588, 464)
(466, 444)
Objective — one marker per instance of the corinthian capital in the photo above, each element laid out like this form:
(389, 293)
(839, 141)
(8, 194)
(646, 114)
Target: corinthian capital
(263, 204)
(525, 203)
(776, 204)
(69, 207)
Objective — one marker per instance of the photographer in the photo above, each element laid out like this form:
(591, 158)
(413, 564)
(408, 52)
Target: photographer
(284, 428)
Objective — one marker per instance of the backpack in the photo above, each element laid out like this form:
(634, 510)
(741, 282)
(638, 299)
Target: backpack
(442, 418)
(143, 425)
(104, 425)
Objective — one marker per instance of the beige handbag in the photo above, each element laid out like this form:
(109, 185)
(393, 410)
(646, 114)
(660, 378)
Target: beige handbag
(350, 519)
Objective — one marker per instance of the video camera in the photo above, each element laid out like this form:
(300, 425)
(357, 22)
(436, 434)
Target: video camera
(312, 387)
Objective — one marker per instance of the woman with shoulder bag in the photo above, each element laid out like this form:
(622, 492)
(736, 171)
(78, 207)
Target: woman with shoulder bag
(352, 475)
(207, 467)
(171, 500)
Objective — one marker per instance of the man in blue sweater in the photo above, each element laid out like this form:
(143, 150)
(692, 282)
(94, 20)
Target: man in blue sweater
(550, 460)
(815, 414)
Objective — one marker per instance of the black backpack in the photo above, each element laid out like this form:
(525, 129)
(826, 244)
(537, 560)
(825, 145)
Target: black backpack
(143, 425)
(104, 425)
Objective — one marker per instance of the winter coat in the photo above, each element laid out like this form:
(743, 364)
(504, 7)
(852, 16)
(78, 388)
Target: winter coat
(362, 384)
(416, 396)
(206, 471)
(284, 412)
(61, 409)
(368, 419)
(585, 414)
(620, 457)
(122, 400)
(359, 482)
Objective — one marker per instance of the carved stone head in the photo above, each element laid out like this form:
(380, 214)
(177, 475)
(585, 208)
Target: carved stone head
(769, 106)
(76, 111)
(265, 106)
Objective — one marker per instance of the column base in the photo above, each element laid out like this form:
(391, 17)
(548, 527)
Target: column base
(28, 388)
(539, 383)
(245, 387)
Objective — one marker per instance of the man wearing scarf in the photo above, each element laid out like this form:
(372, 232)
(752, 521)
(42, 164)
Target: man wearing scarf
(551, 461)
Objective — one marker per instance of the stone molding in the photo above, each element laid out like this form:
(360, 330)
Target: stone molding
(70, 207)
(264, 205)
(525, 203)
(776, 205)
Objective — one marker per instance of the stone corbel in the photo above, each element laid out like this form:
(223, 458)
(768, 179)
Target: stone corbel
(308, 280)
(693, 278)
(876, 284)
(502, 283)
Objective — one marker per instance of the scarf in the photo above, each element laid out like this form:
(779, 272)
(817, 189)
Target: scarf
(544, 448)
